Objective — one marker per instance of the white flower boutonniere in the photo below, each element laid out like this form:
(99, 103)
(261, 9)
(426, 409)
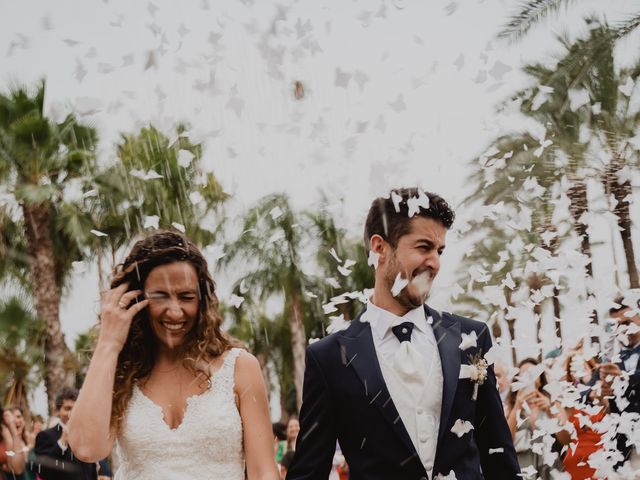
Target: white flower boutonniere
(476, 371)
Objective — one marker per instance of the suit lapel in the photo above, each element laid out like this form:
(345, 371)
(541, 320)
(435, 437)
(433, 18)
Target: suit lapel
(358, 352)
(447, 333)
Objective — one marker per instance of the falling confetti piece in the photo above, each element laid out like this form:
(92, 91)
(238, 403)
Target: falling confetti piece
(461, 427)
(236, 300)
(184, 158)
(398, 284)
(151, 221)
(468, 340)
(276, 212)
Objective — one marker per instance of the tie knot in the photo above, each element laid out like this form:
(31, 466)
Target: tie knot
(403, 331)
(627, 353)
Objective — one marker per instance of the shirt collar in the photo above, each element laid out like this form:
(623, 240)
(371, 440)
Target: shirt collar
(382, 320)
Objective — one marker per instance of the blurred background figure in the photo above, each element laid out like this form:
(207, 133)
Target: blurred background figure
(285, 463)
(626, 313)
(503, 380)
(12, 448)
(580, 421)
(525, 408)
(279, 440)
(54, 458)
(293, 427)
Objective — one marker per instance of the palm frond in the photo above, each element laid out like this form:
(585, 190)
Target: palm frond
(531, 13)
(625, 28)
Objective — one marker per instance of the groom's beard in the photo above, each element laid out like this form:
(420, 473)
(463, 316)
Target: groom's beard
(416, 292)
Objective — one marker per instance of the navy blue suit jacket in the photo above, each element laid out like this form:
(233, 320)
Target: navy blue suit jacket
(345, 399)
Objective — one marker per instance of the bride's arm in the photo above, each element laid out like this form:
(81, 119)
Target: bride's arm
(90, 435)
(254, 410)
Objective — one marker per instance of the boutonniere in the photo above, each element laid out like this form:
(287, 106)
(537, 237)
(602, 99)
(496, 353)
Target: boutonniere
(476, 371)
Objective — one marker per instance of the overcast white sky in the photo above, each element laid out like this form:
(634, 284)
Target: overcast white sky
(396, 92)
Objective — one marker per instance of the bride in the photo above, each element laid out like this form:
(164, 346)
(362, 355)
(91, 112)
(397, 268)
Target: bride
(175, 394)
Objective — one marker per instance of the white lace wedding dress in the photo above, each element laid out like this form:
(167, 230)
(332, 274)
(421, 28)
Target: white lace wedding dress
(206, 445)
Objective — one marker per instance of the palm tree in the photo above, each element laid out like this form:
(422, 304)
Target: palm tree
(491, 253)
(342, 259)
(21, 343)
(269, 339)
(270, 245)
(612, 124)
(153, 179)
(36, 156)
(532, 12)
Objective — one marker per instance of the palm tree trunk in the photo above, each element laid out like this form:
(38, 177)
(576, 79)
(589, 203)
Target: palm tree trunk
(534, 282)
(621, 192)
(345, 310)
(557, 312)
(511, 325)
(298, 345)
(47, 297)
(264, 366)
(577, 194)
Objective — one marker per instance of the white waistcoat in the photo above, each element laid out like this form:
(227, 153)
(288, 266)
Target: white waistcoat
(419, 413)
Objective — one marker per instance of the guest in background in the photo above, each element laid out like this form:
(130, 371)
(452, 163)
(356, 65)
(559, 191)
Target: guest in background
(12, 454)
(54, 458)
(279, 440)
(293, 427)
(525, 408)
(626, 313)
(503, 380)
(579, 371)
(18, 417)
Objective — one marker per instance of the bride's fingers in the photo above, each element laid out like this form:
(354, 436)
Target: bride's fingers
(136, 307)
(126, 299)
(115, 293)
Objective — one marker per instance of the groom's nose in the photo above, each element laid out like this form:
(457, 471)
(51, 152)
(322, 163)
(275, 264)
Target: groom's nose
(433, 263)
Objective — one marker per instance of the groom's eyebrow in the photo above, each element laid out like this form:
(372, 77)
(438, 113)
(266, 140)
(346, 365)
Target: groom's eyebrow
(429, 243)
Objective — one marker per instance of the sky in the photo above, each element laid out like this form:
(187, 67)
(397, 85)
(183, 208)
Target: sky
(395, 93)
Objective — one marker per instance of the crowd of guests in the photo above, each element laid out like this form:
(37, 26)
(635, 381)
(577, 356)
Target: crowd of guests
(285, 436)
(578, 412)
(31, 450)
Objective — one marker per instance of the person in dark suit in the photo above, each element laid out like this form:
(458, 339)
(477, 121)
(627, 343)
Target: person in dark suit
(405, 389)
(626, 313)
(54, 458)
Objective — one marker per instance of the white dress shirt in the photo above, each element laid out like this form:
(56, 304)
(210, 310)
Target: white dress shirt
(387, 344)
(419, 405)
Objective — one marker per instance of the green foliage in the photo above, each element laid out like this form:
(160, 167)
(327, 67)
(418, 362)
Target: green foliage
(38, 159)
(21, 345)
(148, 179)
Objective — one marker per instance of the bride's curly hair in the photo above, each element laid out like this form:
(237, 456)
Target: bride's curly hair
(203, 343)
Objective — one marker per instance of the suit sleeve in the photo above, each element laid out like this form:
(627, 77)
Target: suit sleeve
(49, 457)
(316, 442)
(47, 444)
(492, 431)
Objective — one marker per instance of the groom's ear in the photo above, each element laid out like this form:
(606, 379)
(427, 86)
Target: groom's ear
(379, 245)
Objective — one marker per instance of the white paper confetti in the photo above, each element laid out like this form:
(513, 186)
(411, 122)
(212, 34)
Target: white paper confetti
(398, 284)
(461, 427)
(469, 340)
(151, 221)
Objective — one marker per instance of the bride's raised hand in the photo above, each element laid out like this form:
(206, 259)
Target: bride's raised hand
(119, 306)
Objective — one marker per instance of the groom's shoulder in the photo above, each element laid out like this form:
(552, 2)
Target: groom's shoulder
(333, 341)
(467, 325)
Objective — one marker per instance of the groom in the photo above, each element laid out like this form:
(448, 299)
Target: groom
(404, 389)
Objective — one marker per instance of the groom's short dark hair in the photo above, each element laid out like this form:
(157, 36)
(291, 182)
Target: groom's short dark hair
(389, 216)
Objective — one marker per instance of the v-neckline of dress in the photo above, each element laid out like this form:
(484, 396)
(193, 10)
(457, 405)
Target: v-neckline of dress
(188, 400)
